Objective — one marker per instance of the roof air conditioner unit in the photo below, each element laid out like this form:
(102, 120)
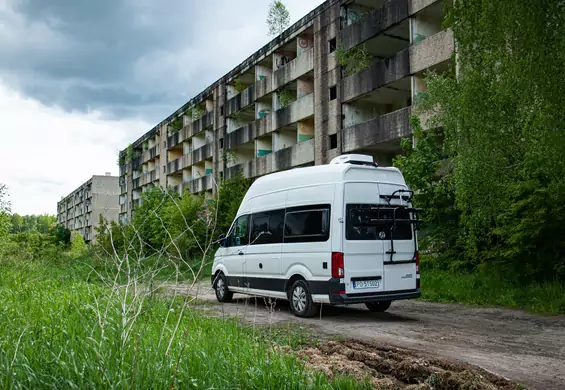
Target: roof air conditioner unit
(355, 159)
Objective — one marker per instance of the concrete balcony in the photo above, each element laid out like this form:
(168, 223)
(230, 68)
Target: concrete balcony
(375, 23)
(150, 154)
(201, 184)
(241, 100)
(431, 51)
(301, 109)
(179, 164)
(203, 153)
(263, 87)
(386, 128)
(294, 69)
(296, 155)
(205, 122)
(249, 132)
(136, 183)
(150, 177)
(174, 139)
(378, 74)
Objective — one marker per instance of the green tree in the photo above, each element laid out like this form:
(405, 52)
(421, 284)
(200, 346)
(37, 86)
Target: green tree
(78, 246)
(17, 223)
(503, 115)
(230, 195)
(5, 219)
(278, 18)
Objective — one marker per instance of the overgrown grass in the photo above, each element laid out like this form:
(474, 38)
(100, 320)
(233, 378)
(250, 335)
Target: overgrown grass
(58, 331)
(491, 290)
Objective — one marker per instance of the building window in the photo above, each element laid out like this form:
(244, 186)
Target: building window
(307, 224)
(333, 92)
(221, 143)
(221, 110)
(332, 45)
(333, 141)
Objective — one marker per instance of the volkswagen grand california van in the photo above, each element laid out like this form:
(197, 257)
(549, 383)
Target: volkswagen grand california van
(341, 233)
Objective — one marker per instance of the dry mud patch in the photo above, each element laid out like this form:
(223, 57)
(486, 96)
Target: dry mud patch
(394, 368)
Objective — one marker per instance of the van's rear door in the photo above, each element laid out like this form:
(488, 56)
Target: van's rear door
(399, 261)
(363, 251)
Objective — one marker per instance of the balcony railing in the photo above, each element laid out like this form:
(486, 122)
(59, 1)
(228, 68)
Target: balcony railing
(391, 13)
(299, 66)
(377, 75)
(382, 129)
(241, 100)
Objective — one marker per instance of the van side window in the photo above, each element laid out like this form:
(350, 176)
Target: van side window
(307, 224)
(240, 232)
(267, 227)
(368, 222)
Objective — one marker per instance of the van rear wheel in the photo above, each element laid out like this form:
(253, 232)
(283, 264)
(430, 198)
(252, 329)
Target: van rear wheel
(378, 307)
(301, 302)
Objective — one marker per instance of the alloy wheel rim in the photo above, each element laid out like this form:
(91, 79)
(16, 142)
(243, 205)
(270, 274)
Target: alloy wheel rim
(299, 299)
(221, 288)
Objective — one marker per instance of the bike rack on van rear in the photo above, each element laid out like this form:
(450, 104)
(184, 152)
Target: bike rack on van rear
(416, 222)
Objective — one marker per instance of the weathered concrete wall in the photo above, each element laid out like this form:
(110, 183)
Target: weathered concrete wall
(378, 74)
(385, 128)
(327, 118)
(299, 154)
(431, 51)
(294, 69)
(377, 21)
(294, 112)
(241, 100)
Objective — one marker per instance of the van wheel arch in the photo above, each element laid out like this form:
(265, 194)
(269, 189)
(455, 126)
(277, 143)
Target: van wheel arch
(290, 282)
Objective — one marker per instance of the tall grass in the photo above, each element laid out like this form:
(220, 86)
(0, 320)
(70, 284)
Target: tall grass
(480, 288)
(59, 331)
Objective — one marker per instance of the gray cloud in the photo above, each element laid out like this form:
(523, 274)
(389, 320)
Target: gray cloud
(124, 57)
(127, 58)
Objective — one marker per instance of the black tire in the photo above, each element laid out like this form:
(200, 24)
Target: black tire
(300, 299)
(223, 294)
(378, 307)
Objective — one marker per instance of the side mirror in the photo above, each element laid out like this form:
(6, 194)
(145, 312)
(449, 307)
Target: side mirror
(222, 239)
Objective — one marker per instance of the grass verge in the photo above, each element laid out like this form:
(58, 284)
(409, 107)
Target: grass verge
(490, 290)
(58, 331)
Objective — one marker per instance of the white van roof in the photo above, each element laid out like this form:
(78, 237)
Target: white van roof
(319, 174)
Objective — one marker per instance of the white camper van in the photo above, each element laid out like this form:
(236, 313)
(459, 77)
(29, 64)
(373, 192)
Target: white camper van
(342, 233)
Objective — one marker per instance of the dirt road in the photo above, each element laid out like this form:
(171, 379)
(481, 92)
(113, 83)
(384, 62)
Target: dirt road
(522, 347)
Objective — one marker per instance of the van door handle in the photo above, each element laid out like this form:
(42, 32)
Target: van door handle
(240, 253)
(261, 265)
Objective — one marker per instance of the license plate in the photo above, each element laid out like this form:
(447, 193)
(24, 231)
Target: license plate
(366, 283)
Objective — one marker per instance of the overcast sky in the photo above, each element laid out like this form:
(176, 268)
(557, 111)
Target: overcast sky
(80, 79)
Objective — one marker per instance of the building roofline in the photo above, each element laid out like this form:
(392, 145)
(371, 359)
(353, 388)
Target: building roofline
(272, 45)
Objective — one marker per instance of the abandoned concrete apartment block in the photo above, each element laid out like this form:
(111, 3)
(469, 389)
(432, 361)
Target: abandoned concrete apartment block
(80, 210)
(293, 104)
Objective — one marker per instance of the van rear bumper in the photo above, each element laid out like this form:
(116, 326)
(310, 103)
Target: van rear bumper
(351, 299)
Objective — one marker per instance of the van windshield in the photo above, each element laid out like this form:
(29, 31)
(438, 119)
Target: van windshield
(369, 222)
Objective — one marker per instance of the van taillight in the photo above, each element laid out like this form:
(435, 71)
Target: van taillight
(337, 265)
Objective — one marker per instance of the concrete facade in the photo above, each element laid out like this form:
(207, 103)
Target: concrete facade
(292, 104)
(80, 210)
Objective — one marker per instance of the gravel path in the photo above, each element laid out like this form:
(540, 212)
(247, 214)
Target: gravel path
(516, 345)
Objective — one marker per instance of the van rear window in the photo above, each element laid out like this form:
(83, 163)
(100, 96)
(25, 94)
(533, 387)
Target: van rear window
(369, 222)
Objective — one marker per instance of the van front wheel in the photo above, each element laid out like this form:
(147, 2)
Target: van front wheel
(221, 287)
(378, 307)
(301, 301)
